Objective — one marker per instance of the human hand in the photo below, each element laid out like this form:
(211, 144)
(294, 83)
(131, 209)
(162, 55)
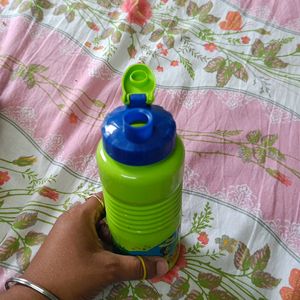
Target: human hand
(73, 264)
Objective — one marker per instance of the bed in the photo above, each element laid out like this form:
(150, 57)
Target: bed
(228, 71)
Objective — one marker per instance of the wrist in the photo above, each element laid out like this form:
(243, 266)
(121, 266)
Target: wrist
(17, 292)
(50, 283)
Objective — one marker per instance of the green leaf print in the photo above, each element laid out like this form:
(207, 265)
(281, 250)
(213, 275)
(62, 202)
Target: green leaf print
(220, 295)
(260, 155)
(44, 4)
(156, 35)
(263, 31)
(23, 257)
(215, 64)
(180, 2)
(227, 133)
(104, 3)
(209, 19)
(33, 238)
(242, 257)
(259, 260)
(79, 5)
(258, 48)
(30, 81)
(269, 140)
(169, 41)
(37, 13)
(202, 221)
(59, 10)
(209, 281)
(275, 63)
(245, 153)
(179, 288)
(149, 27)
(264, 280)
(116, 37)
(35, 68)
(275, 153)
(188, 66)
(70, 16)
(118, 292)
(25, 220)
(144, 291)
(273, 48)
(194, 295)
(205, 9)
(98, 103)
(239, 71)
(169, 23)
(224, 74)
(254, 136)
(9, 247)
(192, 9)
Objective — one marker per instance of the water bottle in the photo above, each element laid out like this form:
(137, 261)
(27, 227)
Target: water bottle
(141, 162)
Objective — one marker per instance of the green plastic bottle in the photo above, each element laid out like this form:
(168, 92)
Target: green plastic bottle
(141, 162)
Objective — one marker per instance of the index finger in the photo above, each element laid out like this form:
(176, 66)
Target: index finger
(94, 205)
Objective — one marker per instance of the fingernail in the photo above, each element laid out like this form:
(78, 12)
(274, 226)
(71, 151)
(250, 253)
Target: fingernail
(162, 267)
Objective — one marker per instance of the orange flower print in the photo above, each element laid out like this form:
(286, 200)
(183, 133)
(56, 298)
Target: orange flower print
(73, 118)
(132, 51)
(159, 69)
(49, 193)
(159, 46)
(174, 63)
(4, 177)
(88, 44)
(4, 2)
(293, 292)
(283, 179)
(93, 26)
(280, 177)
(164, 52)
(203, 238)
(233, 21)
(245, 39)
(98, 48)
(211, 47)
(173, 273)
(138, 11)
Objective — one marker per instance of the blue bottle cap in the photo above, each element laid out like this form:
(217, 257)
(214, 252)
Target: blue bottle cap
(139, 134)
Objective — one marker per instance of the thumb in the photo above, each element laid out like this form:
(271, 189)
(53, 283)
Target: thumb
(131, 267)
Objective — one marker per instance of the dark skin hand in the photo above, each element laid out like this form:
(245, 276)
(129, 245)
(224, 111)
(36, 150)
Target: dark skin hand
(73, 264)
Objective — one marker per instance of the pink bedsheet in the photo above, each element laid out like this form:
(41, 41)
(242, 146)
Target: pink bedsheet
(229, 71)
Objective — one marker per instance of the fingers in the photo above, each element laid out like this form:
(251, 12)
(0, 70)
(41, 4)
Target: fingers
(131, 267)
(94, 206)
(104, 232)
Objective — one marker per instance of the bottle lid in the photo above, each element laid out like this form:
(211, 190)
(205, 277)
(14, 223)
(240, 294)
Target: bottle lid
(138, 133)
(138, 79)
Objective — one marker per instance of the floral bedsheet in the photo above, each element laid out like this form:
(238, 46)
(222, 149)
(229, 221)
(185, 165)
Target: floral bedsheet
(228, 70)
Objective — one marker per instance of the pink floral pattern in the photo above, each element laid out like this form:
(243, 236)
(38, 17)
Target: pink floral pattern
(4, 177)
(230, 81)
(138, 11)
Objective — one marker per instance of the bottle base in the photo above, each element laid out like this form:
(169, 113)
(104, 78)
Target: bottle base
(168, 249)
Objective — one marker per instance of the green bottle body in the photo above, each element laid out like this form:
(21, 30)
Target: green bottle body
(143, 203)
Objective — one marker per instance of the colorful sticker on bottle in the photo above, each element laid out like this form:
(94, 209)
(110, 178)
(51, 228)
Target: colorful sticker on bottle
(169, 249)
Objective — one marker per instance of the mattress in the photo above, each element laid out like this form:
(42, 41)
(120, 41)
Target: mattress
(227, 70)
